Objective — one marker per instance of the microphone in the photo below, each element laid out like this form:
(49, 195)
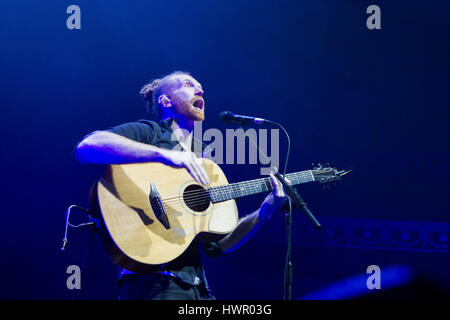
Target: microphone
(230, 117)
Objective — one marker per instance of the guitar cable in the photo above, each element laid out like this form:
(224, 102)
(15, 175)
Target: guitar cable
(93, 222)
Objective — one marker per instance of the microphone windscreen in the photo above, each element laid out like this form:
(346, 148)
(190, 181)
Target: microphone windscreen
(225, 115)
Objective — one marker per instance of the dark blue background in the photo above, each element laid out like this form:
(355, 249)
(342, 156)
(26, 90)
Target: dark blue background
(377, 99)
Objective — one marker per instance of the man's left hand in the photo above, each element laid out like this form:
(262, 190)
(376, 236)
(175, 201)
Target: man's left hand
(273, 201)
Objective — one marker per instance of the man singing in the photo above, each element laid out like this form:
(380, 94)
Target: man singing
(177, 101)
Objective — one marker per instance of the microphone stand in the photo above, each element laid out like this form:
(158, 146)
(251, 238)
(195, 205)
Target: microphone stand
(293, 199)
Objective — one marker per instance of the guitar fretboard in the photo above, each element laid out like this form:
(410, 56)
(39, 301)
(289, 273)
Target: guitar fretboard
(246, 188)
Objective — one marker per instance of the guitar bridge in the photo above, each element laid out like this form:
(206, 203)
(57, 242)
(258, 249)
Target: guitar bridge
(157, 206)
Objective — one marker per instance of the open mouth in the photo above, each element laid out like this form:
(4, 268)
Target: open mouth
(198, 104)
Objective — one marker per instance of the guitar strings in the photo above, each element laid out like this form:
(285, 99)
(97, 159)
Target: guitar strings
(174, 205)
(222, 190)
(203, 196)
(233, 185)
(216, 190)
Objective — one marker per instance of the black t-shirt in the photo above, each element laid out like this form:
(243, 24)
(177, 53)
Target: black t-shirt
(188, 266)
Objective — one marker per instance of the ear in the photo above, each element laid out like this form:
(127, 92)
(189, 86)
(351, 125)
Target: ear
(164, 101)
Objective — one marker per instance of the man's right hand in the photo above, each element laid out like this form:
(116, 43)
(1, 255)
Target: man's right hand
(189, 161)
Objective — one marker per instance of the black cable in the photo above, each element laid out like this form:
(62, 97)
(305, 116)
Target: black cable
(92, 223)
(288, 268)
(288, 141)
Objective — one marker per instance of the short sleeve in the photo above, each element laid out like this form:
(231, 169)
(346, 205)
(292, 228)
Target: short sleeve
(144, 131)
(137, 131)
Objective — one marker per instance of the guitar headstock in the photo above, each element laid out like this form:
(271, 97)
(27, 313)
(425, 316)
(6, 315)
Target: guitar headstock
(325, 174)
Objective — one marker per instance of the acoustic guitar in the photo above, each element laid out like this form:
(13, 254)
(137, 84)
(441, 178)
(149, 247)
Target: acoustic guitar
(149, 213)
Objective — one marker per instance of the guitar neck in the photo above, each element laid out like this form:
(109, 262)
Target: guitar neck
(246, 188)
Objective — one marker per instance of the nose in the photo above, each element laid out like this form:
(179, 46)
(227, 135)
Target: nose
(198, 92)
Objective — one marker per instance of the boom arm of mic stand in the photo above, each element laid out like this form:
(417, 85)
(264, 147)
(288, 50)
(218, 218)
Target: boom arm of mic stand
(298, 200)
(291, 191)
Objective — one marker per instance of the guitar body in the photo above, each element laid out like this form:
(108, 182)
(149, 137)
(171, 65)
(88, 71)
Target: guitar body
(130, 231)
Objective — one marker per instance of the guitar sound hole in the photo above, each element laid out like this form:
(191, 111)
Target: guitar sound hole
(196, 198)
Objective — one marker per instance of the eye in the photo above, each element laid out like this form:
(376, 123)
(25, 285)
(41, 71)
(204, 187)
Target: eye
(187, 84)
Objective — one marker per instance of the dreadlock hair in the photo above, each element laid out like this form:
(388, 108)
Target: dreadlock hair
(152, 90)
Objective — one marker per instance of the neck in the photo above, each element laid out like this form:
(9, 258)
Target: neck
(182, 130)
(249, 187)
(186, 125)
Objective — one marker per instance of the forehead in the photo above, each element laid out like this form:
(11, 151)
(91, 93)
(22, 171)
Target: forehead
(179, 79)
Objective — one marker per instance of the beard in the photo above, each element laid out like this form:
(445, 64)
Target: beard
(194, 113)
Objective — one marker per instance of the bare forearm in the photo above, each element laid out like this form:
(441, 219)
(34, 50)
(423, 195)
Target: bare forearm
(105, 147)
(249, 224)
(243, 231)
